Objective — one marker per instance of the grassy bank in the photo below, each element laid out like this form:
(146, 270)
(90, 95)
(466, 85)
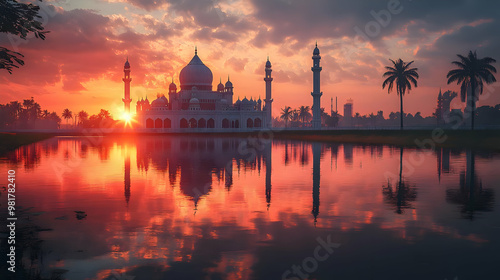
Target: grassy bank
(9, 142)
(479, 139)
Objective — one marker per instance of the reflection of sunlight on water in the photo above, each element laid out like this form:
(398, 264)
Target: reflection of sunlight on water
(199, 201)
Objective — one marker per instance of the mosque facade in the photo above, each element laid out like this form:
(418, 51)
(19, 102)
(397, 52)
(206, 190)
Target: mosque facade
(194, 105)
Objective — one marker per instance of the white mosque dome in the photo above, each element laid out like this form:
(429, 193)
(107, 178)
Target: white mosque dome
(196, 74)
(194, 101)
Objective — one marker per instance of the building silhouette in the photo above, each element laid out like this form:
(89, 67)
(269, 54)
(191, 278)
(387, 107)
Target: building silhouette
(316, 108)
(197, 106)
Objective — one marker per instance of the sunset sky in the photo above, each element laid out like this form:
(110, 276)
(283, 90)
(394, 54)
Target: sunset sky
(80, 64)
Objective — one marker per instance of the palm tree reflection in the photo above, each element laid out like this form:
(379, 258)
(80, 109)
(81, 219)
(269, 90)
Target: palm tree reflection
(400, 198)
(471, 196)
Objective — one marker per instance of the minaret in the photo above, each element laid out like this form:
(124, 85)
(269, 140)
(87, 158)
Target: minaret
(127, 81)
(269, 100)
(316, 122)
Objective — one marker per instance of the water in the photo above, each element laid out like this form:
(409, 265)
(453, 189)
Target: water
(225, 208)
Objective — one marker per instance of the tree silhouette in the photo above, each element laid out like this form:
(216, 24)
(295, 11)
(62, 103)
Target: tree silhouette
(472, 73)
(286, 114)
(403, 76)
(18, 19)
(67, 114)
(83, 116)
(304, 113)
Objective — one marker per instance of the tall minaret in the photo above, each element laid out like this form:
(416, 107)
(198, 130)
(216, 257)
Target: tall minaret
(316, 122)
(127, 80)
(269, 100)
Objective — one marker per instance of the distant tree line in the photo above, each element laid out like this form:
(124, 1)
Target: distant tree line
(30, 115)
(295, 118)
(27, 114)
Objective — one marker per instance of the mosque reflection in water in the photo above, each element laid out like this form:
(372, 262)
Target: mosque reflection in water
(227, 208)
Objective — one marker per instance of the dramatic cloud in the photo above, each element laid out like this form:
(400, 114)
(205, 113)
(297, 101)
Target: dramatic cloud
(236, 64)
(89, 42)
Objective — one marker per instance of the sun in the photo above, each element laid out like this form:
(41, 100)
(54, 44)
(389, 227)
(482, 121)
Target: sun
(127, 118)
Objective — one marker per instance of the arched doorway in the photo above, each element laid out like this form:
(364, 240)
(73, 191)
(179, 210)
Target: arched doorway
(167, 123)
(211, 123)
(257, 123)
(202, 123)
(150, 123)
(237, 124)
(249, 123)
(158, 123)
(184, 123)
(225, 123)
(193, 123)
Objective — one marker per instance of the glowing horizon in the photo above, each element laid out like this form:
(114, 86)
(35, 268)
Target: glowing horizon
(80, 65)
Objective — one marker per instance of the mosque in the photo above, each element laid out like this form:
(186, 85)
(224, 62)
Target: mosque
(197, 106)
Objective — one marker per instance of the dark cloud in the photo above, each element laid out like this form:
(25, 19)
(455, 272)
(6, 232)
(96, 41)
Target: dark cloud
(310, 20)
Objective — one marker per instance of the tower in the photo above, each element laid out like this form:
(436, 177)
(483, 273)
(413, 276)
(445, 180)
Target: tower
(127, 80)
(269, 100)
(316, 122)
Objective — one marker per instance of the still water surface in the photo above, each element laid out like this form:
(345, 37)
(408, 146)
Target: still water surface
(227, 208)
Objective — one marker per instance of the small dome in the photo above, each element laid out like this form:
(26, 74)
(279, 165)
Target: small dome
(172, 86)
(127, 65)
(316, 50)
(268, 63)
(238, 102)
(159, 102)
(229, 84)
(245, 100)
(220, 87)
(164, 99)
(194, 101)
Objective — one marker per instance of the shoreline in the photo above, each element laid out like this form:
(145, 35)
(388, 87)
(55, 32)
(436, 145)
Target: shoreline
(11, 141)
(477, 139)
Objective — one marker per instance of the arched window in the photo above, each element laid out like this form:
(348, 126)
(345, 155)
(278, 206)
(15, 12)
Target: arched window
(150, 123)
(202, 123)
(237, 124)
(249, 123)
(158, 123)
(225, 123)
(167, 123)
(184, 123)
(258, 122)
(193, 123)
(211, 123)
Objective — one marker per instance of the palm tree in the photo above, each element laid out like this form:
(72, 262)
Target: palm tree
(67, 114)
(403, 76)
(304, 113)
(83, 116)
(45, 114)
(472, 73)
(286, 113)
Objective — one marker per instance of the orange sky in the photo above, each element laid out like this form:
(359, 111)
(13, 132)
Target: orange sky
(80, 64)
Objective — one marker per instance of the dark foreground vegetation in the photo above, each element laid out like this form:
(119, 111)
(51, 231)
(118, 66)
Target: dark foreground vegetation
(11, 141)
